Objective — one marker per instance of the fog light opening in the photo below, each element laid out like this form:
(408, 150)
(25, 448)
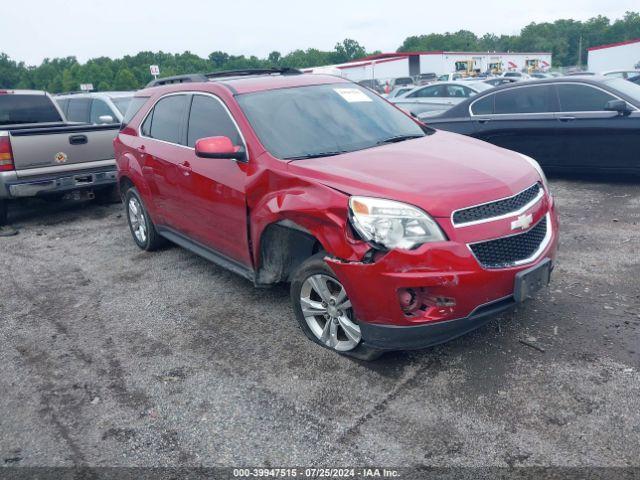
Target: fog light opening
(417, 301)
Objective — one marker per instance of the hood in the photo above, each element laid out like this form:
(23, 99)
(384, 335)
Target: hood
(439, 173)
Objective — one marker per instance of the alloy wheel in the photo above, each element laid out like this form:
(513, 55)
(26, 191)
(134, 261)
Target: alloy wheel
(137, 221)
(328, 312)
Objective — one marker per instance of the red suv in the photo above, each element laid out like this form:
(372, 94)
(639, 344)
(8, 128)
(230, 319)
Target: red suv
(392, 235)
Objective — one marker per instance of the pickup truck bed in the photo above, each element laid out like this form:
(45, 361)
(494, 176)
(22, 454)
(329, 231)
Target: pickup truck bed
(56, 159)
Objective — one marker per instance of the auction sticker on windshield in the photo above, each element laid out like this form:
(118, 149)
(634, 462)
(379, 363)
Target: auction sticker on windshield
(352, 95)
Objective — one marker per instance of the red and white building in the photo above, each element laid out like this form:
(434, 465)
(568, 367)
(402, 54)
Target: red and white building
(615, 56)
(405, 64)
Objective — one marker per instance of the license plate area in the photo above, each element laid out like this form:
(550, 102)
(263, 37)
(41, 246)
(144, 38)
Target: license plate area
(530, 281)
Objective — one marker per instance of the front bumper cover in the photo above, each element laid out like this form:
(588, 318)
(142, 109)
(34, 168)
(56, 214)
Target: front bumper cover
(393, 337)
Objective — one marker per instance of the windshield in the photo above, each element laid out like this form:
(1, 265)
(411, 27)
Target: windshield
(121, 103)
(321, 120)
(18, 109)
(627, 88)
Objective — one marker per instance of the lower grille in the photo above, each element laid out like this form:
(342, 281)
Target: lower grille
(509, 251)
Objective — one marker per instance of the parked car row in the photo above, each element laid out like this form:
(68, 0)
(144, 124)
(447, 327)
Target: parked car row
(319, 182)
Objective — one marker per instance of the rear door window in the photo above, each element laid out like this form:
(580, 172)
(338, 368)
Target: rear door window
(582, 98)
(209, 118)
(22, 109)
(534, 99)
(168, 119)
(78, 110)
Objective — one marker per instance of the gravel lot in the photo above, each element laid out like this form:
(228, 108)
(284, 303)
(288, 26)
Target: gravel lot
(114, 356)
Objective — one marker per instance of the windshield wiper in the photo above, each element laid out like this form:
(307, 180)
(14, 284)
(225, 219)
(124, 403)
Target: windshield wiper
(317, 155)
(398, 138)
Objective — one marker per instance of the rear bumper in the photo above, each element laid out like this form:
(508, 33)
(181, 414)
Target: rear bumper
(18, 185)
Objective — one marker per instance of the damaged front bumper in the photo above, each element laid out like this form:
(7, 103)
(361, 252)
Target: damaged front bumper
(456, 293)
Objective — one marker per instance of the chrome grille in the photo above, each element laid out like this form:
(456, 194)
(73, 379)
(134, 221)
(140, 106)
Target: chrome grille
(509, 251)
(498, 208)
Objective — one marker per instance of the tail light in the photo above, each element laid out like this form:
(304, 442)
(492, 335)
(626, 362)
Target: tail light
(6, 155)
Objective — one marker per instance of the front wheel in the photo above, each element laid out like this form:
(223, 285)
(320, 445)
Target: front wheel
(324, 312)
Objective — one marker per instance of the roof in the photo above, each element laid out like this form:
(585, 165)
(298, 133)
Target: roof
(612, 45)
(395, 55)
(257, 83)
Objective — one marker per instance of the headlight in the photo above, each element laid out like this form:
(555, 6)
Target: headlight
(392, 224)
(536, 165)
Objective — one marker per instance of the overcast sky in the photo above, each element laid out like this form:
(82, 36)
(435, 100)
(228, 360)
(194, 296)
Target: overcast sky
(36, 29)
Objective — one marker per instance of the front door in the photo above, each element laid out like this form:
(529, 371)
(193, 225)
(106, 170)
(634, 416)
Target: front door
(214, 188)
(595, 139)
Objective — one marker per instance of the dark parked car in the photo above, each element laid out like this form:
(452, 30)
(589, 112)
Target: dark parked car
(565, 123)
(497, 81)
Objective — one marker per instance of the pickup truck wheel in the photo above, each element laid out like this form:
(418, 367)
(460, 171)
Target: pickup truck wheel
(142, 228)
(324, 310)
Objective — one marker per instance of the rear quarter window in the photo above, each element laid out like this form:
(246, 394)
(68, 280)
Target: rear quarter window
(484, 106)
(19, 109)
(135, 104)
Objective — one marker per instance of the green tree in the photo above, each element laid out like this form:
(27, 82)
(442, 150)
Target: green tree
(125, 80)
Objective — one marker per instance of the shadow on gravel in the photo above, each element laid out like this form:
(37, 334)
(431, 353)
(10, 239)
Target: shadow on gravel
(50, 211)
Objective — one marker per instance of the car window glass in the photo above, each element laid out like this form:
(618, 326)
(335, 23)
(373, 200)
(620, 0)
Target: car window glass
(458, 91)
(535, 99)
(168, 118)
(484, 106)
(78, 110)
(435, 91)
(209, 118)
(99, 108)
(63, 104)
(582, 98)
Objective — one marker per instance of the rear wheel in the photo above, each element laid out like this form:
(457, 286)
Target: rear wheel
(142, 228)
(324, 311)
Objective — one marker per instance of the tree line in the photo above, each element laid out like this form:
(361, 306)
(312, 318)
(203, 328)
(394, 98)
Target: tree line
(567, 39)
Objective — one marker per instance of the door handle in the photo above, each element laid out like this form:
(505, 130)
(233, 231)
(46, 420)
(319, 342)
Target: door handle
(186, 168)
(566, 119)
(78, 139)
(484, 120)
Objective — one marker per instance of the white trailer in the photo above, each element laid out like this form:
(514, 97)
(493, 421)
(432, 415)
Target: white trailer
(615, 56)
(407, 64)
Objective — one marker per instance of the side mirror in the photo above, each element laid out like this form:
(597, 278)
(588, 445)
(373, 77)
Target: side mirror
(619, 106)
(219, 147)
(106, 119)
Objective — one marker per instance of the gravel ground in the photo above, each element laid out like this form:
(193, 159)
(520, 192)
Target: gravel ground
(114, 356)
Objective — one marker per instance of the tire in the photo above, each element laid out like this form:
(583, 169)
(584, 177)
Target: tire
(142, 228)
(328, 318)
(109, 195)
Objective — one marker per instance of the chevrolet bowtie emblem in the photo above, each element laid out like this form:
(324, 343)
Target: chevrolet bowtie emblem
(523, 222)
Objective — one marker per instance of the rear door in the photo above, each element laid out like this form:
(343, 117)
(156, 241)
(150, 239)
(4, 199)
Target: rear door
(522, 119)
(593, 138)
(214, 188)
(163, 150)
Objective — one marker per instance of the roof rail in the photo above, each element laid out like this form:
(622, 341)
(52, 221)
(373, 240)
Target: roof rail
(192, 77)
(254, 71)
(199, 77)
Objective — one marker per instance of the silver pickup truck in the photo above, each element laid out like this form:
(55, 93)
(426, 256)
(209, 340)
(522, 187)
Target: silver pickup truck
(43, 155)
